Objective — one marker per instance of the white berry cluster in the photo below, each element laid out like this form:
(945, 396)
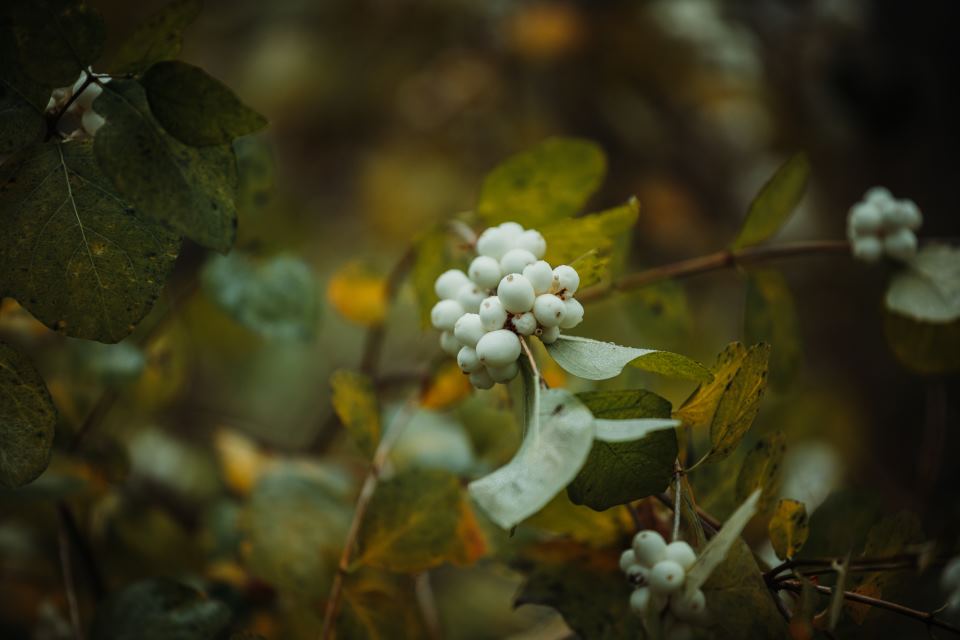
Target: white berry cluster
(880, 224)
(80, 113)
(950, 582)
(507, 292)
(658, 571)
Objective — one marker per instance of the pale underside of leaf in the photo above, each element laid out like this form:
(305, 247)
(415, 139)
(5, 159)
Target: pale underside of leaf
(716, 550)
(929, 289)
(596, 360)
(628, 430)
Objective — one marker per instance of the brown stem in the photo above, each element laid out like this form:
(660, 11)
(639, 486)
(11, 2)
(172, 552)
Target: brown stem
(69, 526)
(428, 605)
(532, 361)
(926, 617)
(68, 583)
(816, 566)
(389, 438)
(714, 261)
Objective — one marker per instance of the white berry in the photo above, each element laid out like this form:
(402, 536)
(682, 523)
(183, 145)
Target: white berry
(868, 248)
(573, 313)
(549, 335)
(649, 547)
(638, 574)
(493, 243)
(498, 348)
(467, 360)
(908, 214)
(515, 260)
(481, 379)
(878, 195)
(681, 553)
(532, 241)
(449, 283)
(485, 272)
(512, 230)
(627, 559)
(505, 373)
(450, 344)
(950, 578)
(492, 314)
(470, 296)
(540, 276)
(445, 314)
(901, 244)
(524, 323)
(666, 577)
(865, 218)
(549, 310)
(639, 600)
(516, 293)
(565, 281)
(468, 329)
(689, 607)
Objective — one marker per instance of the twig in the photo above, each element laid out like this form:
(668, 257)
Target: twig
(68, 584)
(711, 523)
(85, 552)
(678, 480)
(532, 361)
(713, 261)
(389, 438)
(926, 617)
(428, 605)
(825, 565)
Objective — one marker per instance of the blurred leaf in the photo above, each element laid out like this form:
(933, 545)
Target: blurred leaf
(592, 267)
(595, 360)
(22, 100)
(86, 264)
(57, 38)
(715, 551)
(242, 461)
(377, 606)
(789, 528)
(837, 599)
(493, 432)
(159, 37)
(431, 261)
(358, 294)
(924, 347)
(111, 364)
(178, 465)
(840, 525)
(551, 181)
(256, 173)
(355, 401)
(661, 310)
(550, 456)
(159, 609)
(617, 473)
(738, 600)
(446, 388)
(196, 108)
(775, 202)
(276, 298)
(928, 290)
(771, 317)
(563, 518)
(417, 520)
(192, 190)
(27, 420)
(585, 585)
(761, 469)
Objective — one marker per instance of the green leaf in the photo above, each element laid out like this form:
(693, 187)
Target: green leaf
(715, 551)
(923, 347)
(57, 39)
(788, 528)
(775, 202)
(416, 520)
(618, 473)
(159, 609)
(771, 317)
(190, 189)
(379, 606)
(740, 403)
(257, 174)
(277, 297)
(595, 360)
(549, 182)
(22, 100)
(355, 402)
(550, 456)
(928, 290)
(159, 37)
(697, 411)
(891, 536)
(840, 525)
(27, 420)
(585, 585)
(195, 107)
(761, 469)
(72, 251)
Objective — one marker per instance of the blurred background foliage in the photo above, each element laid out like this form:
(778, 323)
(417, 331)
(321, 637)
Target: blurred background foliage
(385, 116)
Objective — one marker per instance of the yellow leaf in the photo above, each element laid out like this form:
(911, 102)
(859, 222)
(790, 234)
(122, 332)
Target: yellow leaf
(358, 294)
(241, 460)
(789, 528)
(699, 408)
(448, 387)
(356, 406)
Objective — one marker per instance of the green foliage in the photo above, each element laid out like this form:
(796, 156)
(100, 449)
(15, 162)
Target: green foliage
(257, 174)
(160, 37)
(761, 469)
(213, 115)
(775, 202)
(159, 610)
(620, 472)
(549, 182)
(190, 189)
(715, 551)
(57, 39)
(771, 317)
(74, 252)
(27, 420)
(355, 402)
(789, 528)
(928, 290)
(596, 360)
(924, 347)
(276, 297)
(840, 525)
(891, 536)
(22, 100)
(377, 606)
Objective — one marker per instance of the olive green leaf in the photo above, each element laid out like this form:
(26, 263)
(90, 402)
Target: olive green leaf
(57, 39)
(771, 317)
(928, 290)
(356, 405)
(775, 202)
(196, 108)
(789, 528)
(190, 189)
(925, 347)
(761, 469)
(715, 551)
(379, 606)
(596, 360)
(159, 37)
(22, 100)
(72, 251)
(27, 420)
(620, 472)
(257, 174)
(549, 182)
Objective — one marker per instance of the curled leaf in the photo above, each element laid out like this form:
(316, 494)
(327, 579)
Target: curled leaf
(596, 360)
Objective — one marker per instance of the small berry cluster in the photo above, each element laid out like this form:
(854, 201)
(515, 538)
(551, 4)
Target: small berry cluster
(658, 571)
(880, 224)
(80, 113)
(950, 582)
(507, 292)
